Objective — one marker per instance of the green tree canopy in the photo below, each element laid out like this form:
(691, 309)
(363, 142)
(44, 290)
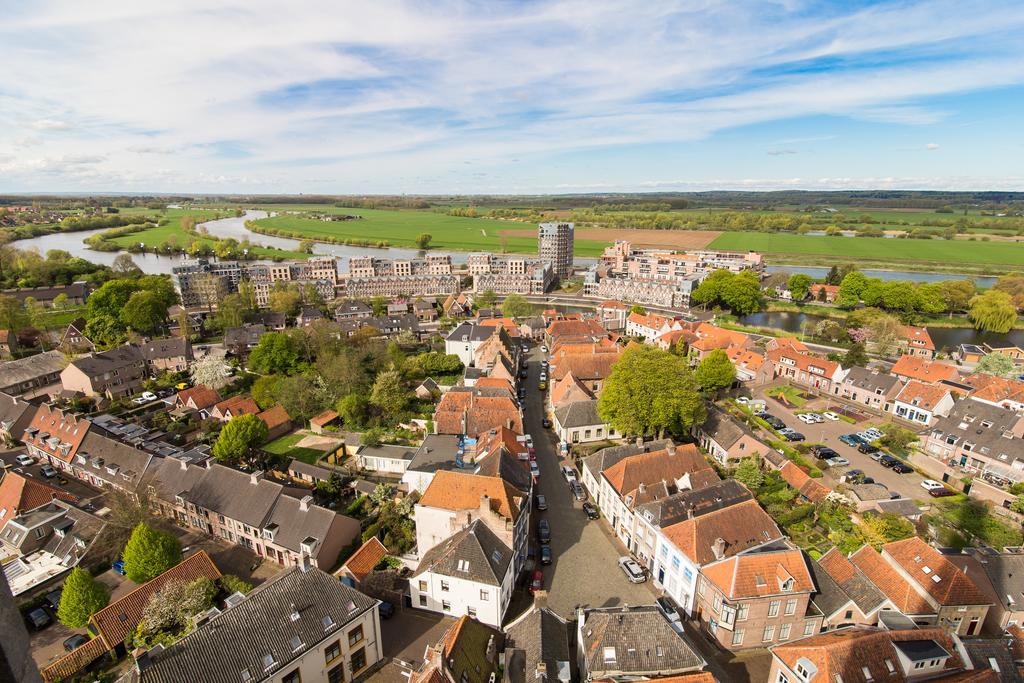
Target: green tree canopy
(638, 309)
(423, 240)
(886, 528)
(740, 293)
(850, 289)
(994, 311)
(144, 312)
(799, 286)
(651, 392)
(285, 298)
(516, 306)
(855, 355)
(998, 364)
(749, 474)
(957, 294)
(388, 394)
(264, 391)
(81, 597)
(149, 553)
(486, 299)
(352, 409)
(239, 436)
(715, 372)
(278, 353)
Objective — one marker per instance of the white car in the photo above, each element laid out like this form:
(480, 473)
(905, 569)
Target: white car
(814, 417)
(543, 376)
(837, 462)
(25, 460)
(149, 395)
(873, 433)
(829, 415)
(139, 401)
(806, 418)
(543, 349)
(633, 571)
(529, 439)
(742, 400)
(569, 473)
(931, 485)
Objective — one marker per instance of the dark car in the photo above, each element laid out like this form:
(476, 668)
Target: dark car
(851, 440)
(941, 493)
(386, 609)
(74, 642)
(577, 491)
(38, 619)
(773, 421)
(888, 461)
(591, 510)
(118, 567)
(53, 599)
(902, 468)
(867, 448)
(545, 554)
(541, 502)
(793, 436)
(824, 452)
(545, 423)
(544, 532)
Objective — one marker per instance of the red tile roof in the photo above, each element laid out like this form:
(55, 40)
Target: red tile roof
(462, 491)
(63, 432)
(275, 417)
(746, 359)
(760, 574)
(710, 337)
(927, 396)
(500, 437)
(237, 405)
(995, 389)
(742, 526)
(814, 365)
(480, 413)
(939, 577)
(903, 596)
(918, 337)
(569, 389)
(118, 620)
(324, 418)
(585, 367)
(19, 493)
(667, 465)
(201, 397)
(364, 560)
(927, 371)
(810, 488)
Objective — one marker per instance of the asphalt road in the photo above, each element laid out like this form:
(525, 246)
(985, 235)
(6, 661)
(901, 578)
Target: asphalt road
(584, 569)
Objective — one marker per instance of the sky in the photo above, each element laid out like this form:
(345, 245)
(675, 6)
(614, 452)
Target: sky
(559, 96)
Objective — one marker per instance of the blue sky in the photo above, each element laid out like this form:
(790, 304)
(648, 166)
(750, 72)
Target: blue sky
(507, 97)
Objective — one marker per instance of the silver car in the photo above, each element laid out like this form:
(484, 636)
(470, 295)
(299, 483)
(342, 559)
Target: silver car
(632, 569)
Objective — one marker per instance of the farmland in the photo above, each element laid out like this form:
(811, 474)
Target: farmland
(401, 227)
(783, 248)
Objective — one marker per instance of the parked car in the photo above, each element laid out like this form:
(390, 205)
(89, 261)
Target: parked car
(537, 581)
(38, 619)
(118, 567)
(563, 448)
(810, 418)
(182, 386)
(25, 459)
(867, 448)
(873, 433)
(48, 471)
(742, 400)
(542, 386)
(74, 642)
(149, 395)
(545, 554)
(591, 510)
(543, 348)
(541, 502)
(544, 532)
(569, 473)
(773, 422)
(545, 423)
(902, 468)
(931, 485)
(668, 607)
(829, 415)
(633, 571)
(534, 469)
(823, 452)
(793, 436)
(941, 493)
(138, 400)
(876, 455)
(577, 491)
(851, 440)
(838, 461)
(887, 460)
(386, 610)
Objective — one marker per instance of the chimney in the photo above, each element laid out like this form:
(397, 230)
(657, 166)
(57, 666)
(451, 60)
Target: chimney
(540, 599)
(718, 548)
(184, 465)
(254, 477)
(305, 564)
(304, 503)
(492, 649)
(485, 504)
(639, 442)
(671, 449)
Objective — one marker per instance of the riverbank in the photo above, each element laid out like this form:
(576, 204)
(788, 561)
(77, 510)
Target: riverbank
(820, 311)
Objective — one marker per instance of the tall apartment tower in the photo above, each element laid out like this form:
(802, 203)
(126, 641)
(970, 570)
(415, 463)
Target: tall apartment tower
(554, 243)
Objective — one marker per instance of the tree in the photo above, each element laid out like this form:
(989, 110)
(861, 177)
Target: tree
(388, 394)
(884, 331)
(150, 552)
(833, 277)
(284, 298)
(900, 296)
(352, 410)
(124, 264)
(1018, 505)
(957, 294)
(306, 246)
(742, 295)
(81, 597)
(144, 312)
(301, 397)
(264, 391)
(709, 292)
(799, 286)
(778, 280)
(649, 392)
(516, 306)
(170, 610)
(105, 330)
(749, 474)
(896, 437)
(855, 355)
(208, 370)
(278, 353)
(1012, 284)
(993, 311)
(997, 364)
(12, 314)
(850, 289)
(487, 299)
(423, 240)
(231, 311)
(886, 528)
(233, 584)
(239, 436)
(931, 298)
(715, 372)
(60, 302)
(638, 309)
(829, 329)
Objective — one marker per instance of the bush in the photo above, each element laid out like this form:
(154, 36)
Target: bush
(233, 584)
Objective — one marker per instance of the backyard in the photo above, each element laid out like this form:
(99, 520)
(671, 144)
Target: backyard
(285, 446)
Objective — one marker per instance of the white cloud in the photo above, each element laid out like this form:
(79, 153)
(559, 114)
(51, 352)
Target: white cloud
(931, 145)
(50, 124)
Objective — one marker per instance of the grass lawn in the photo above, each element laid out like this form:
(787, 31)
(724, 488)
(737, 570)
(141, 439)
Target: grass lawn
(401, 227)
(56, 319)
(792, 395)
(286, 446)
(875, 248)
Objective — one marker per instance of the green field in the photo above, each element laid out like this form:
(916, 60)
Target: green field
(401, 227)
(875, 248)
(286, 446)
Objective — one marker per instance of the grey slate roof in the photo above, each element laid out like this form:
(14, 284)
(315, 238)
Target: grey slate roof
(1006, 573)
(901, 506)
(643, 641)
(247, 335)
(830, 596)
(106, 361)
(724, 428)
(693, 503)
(169, 477)
(437, 452)
(578, 414)
(30, 368)
(858, 587)
(508, 467)
(964, 424)
(232, 494)
(474, 554)
(128, 463)
(15, 414)
(238, 639)
(168, 347)
(315, 471)
(543, 637)
(870, 380)
(388, 452)
(295, 524)
(476, 333)
(606, 457)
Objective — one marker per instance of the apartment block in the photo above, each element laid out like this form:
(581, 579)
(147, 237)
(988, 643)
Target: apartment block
(555, 245)
(510, 274)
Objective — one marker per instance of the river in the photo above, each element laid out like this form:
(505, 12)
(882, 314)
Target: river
(901, 275)
(944, 337)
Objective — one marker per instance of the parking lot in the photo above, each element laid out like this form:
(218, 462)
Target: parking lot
(828, 433)
(77, 488)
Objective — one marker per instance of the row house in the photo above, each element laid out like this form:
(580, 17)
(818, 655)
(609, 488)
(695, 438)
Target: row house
(750, 365)
(621, 257)
(925, 585)
(710, 338)
(246, 509)
(726, 439)
(980, 438)
(568, 331)
(640, 290)
(474, 411)
(921, 403)
(996, 391)
(802, 368)
(915, 341)
(390, 286)
(171, 354)
(115, 374)
(647, 326)
(55, 436)
(199, 399)
(758, 598)
(869, 388)
(612, 314)
(845, 595)
(235, 406)
(909, 367)
(510, 274)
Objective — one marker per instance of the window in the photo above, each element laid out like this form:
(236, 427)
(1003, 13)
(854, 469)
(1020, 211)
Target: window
(423, 600)
(664, 551)
(802, 671)
(609, 655)
(444, 586)
(849, 614)
(485, 595)
(782, 678)
(784, 631)
(737, 637)
(471, 612)
(718, 602)
(700, 588)
(741, 612)
(769, 633)
(423, 586)
(446, 606)
(688, 573)
(675, 562)
(867, 674)
(355, 635)
(332, 652)
(773, 608)
(808, 628)
(790, 606)
(293, 677)
(358, 660)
